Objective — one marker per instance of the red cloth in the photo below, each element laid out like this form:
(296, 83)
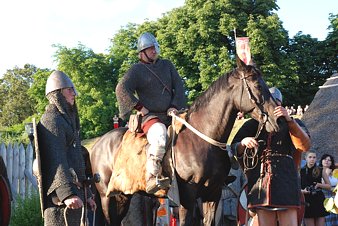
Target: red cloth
(149, 123)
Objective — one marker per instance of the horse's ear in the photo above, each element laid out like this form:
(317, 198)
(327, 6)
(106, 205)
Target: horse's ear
(240, 63)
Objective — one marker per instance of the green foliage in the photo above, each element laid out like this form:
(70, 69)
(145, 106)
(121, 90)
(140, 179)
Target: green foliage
(95, 81)
(199, 38)
(37, 90)
(308, 72)
(123, 50)
(27, 212)
(15, 104)
(329, 48)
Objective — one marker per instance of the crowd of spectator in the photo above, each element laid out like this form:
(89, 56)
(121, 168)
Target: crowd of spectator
(290, 109)
(299, 111)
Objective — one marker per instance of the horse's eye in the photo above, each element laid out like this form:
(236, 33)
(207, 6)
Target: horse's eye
(258, 87)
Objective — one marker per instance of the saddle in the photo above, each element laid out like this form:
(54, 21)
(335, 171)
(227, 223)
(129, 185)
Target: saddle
(129, 172)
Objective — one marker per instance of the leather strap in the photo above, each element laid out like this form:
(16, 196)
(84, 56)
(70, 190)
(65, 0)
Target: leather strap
(158, 77)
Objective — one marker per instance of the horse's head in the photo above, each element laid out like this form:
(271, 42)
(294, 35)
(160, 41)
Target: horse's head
(254, 96)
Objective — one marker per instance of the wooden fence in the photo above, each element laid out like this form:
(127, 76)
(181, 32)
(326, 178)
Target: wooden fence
(19, 161)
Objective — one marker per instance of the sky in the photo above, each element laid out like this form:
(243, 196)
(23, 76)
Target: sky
(28, 29)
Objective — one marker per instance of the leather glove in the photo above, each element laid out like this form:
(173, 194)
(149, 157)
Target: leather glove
(171, 111)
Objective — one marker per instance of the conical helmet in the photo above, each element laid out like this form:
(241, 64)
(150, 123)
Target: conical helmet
(276, 94)
(147, 40)
(58, 80)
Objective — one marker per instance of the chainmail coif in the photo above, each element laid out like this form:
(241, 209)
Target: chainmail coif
(70, 112)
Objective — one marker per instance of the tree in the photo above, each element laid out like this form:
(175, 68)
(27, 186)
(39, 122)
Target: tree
(95, 81)
(315, 62)
(123, 49)
(330, 48)
(15, 103)
(199, 38)
(37, 90)
(304, 51)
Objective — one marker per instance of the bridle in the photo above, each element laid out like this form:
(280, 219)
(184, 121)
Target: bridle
(252, 98)
(249, 155)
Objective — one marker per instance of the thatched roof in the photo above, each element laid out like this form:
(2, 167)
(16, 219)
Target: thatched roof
(321, 119)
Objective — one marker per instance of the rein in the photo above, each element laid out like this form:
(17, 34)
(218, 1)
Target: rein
(221, 145)
(250, 158)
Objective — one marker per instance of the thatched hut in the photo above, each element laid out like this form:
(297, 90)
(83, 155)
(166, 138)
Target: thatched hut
(321, 118)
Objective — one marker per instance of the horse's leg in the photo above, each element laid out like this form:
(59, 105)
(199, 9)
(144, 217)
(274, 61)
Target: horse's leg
(136, 212)
(190, 211)
(105, 208)
(188, 203)
(99, 216)
(210, 199)
(114, 209)
(118, 208)
(188, 216)
(209, 212)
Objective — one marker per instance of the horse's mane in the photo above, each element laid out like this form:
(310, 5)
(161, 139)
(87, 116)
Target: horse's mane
(206, 96)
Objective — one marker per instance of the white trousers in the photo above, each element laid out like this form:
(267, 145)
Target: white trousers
(157, 138)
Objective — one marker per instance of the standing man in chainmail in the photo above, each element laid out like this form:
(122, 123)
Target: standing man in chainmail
(62, 162)
(153, 88)
(271, 161)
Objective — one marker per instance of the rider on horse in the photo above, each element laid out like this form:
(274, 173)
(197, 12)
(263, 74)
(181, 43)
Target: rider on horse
(153, 88)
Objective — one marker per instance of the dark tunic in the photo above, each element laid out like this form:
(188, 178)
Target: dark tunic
(280, 182)
(314, 202)
(140, 86)
(60, 150)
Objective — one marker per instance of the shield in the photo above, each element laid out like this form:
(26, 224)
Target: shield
(37, 166)
(5, 202)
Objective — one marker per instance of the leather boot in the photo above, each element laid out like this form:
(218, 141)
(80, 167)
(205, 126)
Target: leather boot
(154, 180)
(155, 183)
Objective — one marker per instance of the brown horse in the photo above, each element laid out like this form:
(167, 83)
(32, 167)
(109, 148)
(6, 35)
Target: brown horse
(201, 166)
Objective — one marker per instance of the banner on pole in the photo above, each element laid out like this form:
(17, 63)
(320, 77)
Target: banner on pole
(243, 49)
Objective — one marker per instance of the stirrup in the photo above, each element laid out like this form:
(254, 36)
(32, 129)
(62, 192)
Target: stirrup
(160, 183)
